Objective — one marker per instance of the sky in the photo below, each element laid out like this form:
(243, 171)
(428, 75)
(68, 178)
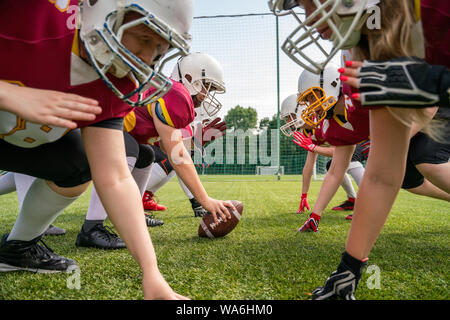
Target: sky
(247, 50)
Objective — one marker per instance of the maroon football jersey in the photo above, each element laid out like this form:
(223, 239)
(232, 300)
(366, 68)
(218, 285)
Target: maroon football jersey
(175, 109)
(435, 15)
(40, 50)
(352, 128)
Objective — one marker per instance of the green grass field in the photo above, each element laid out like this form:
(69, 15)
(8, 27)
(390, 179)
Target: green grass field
(263, 258)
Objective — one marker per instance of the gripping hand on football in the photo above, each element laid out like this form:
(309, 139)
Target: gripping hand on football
(218, 207)
(402, 82)
(304, 141)
(47, 107)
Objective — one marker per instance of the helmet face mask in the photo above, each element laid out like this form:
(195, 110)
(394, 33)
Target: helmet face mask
(292, 124)
(318, 105)
(290, 113)
(343, 17)
(208, 91)
(102, 39)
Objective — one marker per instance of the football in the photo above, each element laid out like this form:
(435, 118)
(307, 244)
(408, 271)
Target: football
(209, 229)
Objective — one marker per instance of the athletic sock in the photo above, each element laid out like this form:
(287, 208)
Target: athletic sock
(157, 175)
(40, 208)
(161, 183)
(348, 186)
(96, 211)
(7, 183)
(23, 184)
(89, 224)
(356, 170)
(352, 264)
(141, 176)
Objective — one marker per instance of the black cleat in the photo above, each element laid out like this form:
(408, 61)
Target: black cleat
(54, 231)
(199, 211)
(16, 255)
(347, 205)
(151, 221)
(100, 237)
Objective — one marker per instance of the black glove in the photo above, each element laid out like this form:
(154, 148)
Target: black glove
(405, 83)
(342, 282)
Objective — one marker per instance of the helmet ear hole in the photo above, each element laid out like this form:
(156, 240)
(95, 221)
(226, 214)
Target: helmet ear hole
(188, 77)
(92, 2)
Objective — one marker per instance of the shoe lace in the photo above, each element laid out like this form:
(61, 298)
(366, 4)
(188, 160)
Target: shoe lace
(150, 215)
(37, 250)
(107, 233)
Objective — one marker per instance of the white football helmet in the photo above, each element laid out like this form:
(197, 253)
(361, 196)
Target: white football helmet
(290, 113)
(201, 73)
(101, 32)
(345, 18)
(319, 92)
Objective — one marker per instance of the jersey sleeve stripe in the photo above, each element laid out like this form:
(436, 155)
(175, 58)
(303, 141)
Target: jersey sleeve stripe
(165, 113)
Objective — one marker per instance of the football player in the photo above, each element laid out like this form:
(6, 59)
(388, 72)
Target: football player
(203, 76)
(345, 25)
(113, 58)
(170, 115)
(329, 81)
(342, 126)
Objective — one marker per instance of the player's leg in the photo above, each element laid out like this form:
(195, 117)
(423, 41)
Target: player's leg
(356, 171)
(428, 189)
(23, 183)
(62, 162)
(415, 182)
(377, 192)
(93, 233)
(7, 183)
(341, 159)
(141, 174)
(349, 190)
(431, 159)
(161, 173)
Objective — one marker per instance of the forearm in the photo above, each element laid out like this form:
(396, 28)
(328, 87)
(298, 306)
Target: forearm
(4, 88)
(308, 171)
(324, 151)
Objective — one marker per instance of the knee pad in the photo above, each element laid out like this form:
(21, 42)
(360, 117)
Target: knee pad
(146, 156)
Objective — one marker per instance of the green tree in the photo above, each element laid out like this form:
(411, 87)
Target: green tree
(241, 118)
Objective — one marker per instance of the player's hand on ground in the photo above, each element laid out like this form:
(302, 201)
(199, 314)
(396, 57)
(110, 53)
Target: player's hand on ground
(49, 107)
(304, 206)
(406, 82)
(218, 208)
(155, 287)
(304, 141)
(311, 224)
